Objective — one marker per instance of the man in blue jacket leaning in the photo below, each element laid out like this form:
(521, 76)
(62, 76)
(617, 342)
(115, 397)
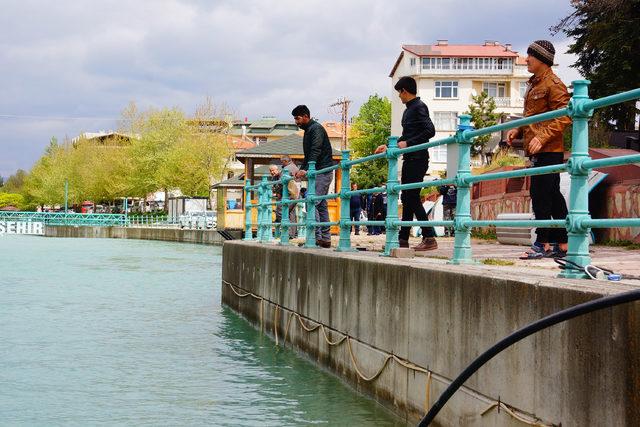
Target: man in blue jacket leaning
(417, 128)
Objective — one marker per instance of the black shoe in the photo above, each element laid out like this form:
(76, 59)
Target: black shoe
(326, 244)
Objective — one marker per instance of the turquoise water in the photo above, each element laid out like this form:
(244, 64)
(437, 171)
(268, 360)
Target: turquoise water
(125, 332)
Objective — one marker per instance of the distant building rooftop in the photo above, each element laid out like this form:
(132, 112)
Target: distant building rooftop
(290, 145)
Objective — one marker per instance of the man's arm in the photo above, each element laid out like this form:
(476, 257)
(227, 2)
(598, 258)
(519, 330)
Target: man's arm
(315, 136)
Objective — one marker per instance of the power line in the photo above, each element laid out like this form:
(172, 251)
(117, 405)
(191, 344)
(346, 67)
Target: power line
(343, 103)
(26, 117)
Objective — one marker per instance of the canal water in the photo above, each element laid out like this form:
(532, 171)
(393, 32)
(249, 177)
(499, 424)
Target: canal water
(128, 332)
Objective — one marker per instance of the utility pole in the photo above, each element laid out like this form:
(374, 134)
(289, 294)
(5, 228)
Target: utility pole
(343, 103)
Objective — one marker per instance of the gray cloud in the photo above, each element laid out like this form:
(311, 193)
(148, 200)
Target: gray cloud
(89, 59)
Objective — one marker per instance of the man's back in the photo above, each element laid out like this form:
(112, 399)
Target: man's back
(316, 146)
(417, 127)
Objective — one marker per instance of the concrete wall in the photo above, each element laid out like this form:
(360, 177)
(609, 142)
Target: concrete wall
(207, 237)
(584, 372)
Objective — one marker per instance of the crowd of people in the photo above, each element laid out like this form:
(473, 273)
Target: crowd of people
(543, 145)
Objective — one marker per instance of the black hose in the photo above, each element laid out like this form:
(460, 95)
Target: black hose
(561, 316)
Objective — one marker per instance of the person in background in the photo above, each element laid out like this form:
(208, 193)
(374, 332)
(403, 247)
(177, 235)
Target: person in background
(276, 175)
(449, 198)
(379, 211)
(370, 216)
(355, 207)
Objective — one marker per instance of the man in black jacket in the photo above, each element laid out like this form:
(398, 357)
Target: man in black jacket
(417, 128)
(316, 147)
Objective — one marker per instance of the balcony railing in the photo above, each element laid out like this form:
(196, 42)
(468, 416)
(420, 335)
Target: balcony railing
(470, 71)
(578, 222)
(508, 102)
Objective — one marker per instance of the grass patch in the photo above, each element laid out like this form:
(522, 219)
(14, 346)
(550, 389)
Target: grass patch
(494, 261)
(500, 159)
(627, 244)
(487, 233)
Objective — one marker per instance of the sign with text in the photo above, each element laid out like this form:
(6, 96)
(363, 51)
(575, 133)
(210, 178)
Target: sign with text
(21, 227)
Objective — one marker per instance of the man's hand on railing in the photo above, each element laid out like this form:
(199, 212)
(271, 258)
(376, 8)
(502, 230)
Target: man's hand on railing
(381, 149)
(511, 135)
(301, 173)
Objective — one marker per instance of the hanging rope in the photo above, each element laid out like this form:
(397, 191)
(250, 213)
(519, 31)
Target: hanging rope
(516, 414)
(518, 417)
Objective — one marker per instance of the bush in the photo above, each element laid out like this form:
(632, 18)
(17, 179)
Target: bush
(11, 199)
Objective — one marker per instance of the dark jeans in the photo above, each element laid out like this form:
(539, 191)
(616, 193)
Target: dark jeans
(323, 181)
(448, 213)
(413, 171)
(546, 198)
(355, 216)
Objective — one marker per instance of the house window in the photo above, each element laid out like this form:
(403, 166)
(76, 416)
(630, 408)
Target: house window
(412, 62)
(446, 89)
(259, 139)
(445, 120)
(523, 89)
(438, 154)
(495, 89)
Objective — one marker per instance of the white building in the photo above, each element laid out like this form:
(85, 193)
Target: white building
(448, 75)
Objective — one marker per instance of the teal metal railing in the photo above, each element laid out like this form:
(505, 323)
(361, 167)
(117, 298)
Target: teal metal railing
(61, 218)
(578, 222)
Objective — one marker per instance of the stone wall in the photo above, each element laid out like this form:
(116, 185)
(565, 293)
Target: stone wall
(207, 237)
(583, 372)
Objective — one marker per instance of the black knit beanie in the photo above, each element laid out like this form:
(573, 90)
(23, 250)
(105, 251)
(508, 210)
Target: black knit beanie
(542, 50)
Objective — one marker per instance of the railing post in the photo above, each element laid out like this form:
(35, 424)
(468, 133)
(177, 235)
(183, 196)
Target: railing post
(284, 217)
(392, 197)
(344, 244)
(268, 212)
(248, 232)
(578, 236)
(261, 209)
(462, 253)
(310, 241)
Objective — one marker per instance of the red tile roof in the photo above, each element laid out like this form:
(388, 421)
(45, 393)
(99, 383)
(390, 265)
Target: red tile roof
(462, 50)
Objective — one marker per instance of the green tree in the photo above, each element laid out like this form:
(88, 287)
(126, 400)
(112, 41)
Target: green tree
(483, 114)
(159, 131)
(15, 182)
(606, 35)
(45, 183)
(371, 128)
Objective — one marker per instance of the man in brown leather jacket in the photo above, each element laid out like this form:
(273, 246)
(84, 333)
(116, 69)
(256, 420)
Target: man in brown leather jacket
(544, 145)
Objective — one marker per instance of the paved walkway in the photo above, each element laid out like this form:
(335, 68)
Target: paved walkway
(620, 260)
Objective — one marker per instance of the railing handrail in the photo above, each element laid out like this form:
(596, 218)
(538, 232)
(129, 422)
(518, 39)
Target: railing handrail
(577, 223)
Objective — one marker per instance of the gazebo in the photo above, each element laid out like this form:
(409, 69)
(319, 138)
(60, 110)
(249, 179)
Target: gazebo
(268, 153)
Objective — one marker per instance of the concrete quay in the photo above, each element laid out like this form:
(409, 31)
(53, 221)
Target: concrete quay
(419, 322)
(206, 237)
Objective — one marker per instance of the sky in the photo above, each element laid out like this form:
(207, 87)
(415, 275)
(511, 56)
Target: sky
(68, 67)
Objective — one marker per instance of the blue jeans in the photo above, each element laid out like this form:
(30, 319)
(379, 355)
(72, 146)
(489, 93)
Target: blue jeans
(323, 181)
